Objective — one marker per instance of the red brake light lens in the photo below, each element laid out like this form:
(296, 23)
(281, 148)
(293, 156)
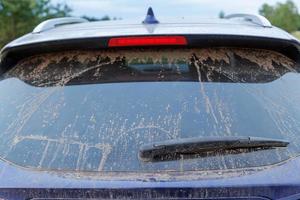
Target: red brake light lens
(147, 41)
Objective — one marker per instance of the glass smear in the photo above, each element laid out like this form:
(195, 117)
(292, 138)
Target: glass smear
(92, 110)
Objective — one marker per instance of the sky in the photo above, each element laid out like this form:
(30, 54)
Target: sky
(163, 9)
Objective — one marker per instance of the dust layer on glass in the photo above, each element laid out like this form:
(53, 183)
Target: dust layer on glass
(93, 110)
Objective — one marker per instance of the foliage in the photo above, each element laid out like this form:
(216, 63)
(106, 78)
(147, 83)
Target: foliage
(297, 34)
(18, 17)
(92, 19)
(221, 14)
(283, 15)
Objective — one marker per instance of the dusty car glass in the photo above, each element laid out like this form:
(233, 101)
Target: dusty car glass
(93, 110)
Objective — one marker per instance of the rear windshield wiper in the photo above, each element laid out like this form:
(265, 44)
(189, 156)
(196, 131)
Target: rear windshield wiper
(169, 148)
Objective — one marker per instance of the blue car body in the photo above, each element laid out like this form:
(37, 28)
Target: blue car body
(277, 181)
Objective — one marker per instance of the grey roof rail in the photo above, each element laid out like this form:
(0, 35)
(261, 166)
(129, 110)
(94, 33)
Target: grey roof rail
(53, 23)
(256, 19)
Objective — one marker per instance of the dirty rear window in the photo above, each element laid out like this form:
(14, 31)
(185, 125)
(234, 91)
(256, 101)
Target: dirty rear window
(93, 110)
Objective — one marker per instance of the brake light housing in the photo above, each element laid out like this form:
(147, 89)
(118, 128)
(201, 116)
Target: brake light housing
(147, 41)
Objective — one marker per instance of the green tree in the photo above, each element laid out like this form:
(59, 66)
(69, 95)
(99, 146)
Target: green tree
(104, 18)
(221, 14)
(284, 15)
(18, 17)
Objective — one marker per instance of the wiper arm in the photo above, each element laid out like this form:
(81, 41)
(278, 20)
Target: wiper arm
(150, 152)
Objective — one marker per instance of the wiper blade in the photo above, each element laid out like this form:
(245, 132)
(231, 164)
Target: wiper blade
(150, 152)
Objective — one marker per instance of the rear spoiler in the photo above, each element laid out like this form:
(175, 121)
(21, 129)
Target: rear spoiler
(10, 56)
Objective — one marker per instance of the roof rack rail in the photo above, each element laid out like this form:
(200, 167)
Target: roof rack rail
(254, 18)
(52, 23)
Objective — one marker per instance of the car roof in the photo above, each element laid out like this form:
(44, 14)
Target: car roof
(69, 33)
(69, 28)
(171, 27)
